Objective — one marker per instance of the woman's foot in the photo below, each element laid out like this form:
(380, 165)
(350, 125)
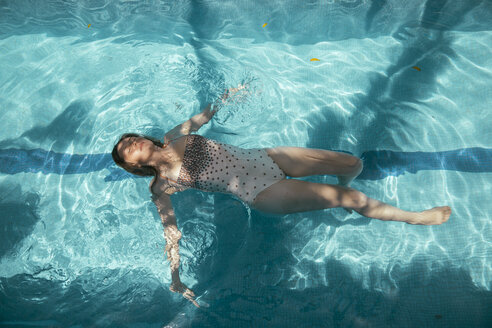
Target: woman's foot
(436, 215)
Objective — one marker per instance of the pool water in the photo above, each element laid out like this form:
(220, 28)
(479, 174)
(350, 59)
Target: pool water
(405, 85)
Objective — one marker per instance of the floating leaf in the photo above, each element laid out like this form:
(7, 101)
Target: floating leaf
(89, 25)
(314, 59)
(417, 68)
(264, 24)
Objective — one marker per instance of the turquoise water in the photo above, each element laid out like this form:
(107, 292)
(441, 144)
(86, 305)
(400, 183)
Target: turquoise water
(82, 243)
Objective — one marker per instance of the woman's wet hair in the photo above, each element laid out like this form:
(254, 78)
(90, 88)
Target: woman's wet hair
(145, 170)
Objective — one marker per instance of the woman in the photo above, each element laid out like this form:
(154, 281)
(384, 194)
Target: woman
(257, 176)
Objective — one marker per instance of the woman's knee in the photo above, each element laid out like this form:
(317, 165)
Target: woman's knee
(359, 166)
(353, 198)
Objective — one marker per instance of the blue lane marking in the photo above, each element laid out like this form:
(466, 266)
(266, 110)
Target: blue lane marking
(378, 164)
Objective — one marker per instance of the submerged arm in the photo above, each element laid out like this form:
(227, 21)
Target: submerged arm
(172, 236)
(171, 232)
(189, 126)
(197, 121)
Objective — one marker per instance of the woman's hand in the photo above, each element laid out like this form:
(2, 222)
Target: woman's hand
(224, 99)
(179, 287)
(208, 112)
(232, 91)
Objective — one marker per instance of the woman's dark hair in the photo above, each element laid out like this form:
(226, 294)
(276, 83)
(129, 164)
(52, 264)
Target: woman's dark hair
(145, 170)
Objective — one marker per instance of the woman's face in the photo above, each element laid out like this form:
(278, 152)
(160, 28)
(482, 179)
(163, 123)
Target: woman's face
(137, 151)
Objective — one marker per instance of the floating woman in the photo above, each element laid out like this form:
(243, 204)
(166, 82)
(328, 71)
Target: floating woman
(257, 176)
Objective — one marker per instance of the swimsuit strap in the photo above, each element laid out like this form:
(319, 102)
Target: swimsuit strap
(168, 178)
(164, 146)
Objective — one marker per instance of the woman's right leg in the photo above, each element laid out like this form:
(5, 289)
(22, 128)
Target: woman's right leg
(291, 196)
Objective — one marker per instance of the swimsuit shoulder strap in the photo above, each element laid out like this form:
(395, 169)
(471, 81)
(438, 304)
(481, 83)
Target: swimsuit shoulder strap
(165, 144)
(162, 176)
(174, 181)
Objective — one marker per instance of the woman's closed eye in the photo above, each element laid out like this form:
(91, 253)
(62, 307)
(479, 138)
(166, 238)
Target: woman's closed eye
(132, 145)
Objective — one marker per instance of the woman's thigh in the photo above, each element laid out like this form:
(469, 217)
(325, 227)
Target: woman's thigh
(301, 162)
(291, 196)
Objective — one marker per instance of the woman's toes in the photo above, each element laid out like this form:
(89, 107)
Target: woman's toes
(434, 216)
(447, 213)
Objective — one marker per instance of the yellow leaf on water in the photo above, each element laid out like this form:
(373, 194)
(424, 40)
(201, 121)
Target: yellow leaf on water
(417, 68)
(89, 25)
(264, 24)
(314, 59)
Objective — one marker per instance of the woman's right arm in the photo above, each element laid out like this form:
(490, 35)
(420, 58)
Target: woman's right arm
(172, 236)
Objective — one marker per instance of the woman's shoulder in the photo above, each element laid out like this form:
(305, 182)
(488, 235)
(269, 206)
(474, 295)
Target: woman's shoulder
(159, 186)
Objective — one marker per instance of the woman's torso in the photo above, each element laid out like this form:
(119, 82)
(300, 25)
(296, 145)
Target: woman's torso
(212, 166)
(208, 165)
(174, 152)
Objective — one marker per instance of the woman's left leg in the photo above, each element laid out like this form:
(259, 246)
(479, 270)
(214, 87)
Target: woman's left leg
(300, 162)
(291, 196)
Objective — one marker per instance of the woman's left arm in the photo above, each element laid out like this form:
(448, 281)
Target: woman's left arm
(191, 125)
(197, 121)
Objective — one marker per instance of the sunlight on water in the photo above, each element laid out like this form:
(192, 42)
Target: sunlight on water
(79, 230)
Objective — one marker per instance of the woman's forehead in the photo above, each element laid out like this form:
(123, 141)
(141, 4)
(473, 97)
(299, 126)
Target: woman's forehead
(129, 139)
(125, 143)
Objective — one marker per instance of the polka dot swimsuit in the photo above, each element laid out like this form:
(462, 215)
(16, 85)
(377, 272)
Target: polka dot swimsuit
(212, 166)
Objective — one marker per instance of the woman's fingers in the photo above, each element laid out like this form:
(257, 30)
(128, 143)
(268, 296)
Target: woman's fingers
(194, 303)
(231, 92)
(189, 294)
(239, 87)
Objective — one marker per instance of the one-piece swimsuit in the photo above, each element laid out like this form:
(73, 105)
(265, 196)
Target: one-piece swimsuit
(213, 166)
